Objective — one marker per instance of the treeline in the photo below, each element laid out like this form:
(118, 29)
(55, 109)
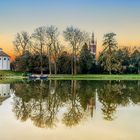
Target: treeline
(44, 52)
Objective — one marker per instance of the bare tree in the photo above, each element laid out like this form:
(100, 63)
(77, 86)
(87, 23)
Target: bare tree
(57, 50)
(39, 41)
(21, 42)
(76, 39)
(54, 46)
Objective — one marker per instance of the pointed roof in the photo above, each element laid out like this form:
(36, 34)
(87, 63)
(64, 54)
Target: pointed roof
(2, 53)
(92, 38)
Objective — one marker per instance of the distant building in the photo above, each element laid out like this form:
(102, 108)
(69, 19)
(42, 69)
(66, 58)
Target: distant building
(4, 60)
(93, 46)
(4, 92)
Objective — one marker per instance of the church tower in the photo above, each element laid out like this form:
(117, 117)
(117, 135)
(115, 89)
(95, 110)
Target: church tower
(93, 46)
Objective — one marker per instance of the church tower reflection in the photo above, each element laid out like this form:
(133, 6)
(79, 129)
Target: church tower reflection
(91, 106)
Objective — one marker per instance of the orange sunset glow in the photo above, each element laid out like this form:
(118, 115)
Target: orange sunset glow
(99, 17)
(7, 43)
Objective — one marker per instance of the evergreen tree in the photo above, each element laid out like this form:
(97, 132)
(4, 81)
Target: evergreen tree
(86, 60)
(110, 61)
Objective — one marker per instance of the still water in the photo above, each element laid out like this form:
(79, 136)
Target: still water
(70, 110)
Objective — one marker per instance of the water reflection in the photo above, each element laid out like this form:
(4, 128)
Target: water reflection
(4, 92)
(71, 102)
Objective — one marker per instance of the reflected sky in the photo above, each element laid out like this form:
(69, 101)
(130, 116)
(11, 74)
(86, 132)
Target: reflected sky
(71, 110)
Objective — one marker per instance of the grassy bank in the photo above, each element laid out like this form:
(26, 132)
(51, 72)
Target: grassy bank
(95, 77)
(11, 80)
(10, 74)
(19, 75)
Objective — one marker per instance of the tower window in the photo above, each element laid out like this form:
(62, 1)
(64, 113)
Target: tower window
(4, 58)
(0, 58)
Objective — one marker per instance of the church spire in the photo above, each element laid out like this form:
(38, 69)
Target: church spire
(92, 38)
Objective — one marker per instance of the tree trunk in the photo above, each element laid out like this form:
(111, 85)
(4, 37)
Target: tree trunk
(50, 69)
(72, 63)
(41, 59)
(75, 71)
(55, 68)
(75, 67)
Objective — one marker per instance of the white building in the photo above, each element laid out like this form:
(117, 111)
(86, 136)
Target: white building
(4, 92)
(4, 61)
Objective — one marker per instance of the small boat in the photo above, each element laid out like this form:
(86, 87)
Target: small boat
(43, 77)
(35, 77)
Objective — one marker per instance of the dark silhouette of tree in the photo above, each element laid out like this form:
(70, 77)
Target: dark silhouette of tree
(76, 39)
(86, 60)
(22, 43)
(39, 43)
(135, 61)
(54, 47)
(64, 63)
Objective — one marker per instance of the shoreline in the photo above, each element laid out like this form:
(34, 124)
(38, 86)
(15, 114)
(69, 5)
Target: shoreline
(81, 77)
(95, 77)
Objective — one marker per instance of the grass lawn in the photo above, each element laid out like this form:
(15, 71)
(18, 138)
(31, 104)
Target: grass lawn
(95, 77)
(19, 75)
(11, 80)
(10, 74)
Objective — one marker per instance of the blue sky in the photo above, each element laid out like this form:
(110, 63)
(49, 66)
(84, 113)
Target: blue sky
(100, 16)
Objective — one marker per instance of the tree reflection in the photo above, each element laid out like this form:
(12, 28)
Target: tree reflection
(75, 113)
(87, 94)
(46, 103)
(22, 109)
(44, 112)
(114, 94)
(41, 106)
(107, 99)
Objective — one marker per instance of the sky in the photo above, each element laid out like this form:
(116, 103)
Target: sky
(98, 16)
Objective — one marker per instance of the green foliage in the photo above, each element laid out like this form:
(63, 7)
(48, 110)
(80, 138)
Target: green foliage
(43, 52)
(109, 59)
(5, 73)
(135, 61)
(123, 55)
(85, 60)
(64, 63)
(30, 63)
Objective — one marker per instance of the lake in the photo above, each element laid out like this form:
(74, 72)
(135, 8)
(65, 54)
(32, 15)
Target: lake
(70, 110)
